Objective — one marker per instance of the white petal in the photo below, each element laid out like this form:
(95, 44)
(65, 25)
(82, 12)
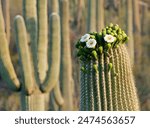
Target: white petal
(85, 38)
(91, 43)
(109, 38)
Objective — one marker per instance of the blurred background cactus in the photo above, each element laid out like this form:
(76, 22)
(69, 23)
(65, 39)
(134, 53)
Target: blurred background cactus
(133, 17)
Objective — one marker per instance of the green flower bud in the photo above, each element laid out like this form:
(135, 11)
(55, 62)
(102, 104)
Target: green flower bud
(100, 49)
(119, 37)
(95, 68)
(92, 36)
(104, 33)
(110, 66)
(111, 25)
(94, 53)
(83, 69)
(108, 46)
(108, 31)
(116, 27)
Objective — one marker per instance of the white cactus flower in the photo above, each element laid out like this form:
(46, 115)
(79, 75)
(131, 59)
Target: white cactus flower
(91, 43)
(85, 38)
(109, 38)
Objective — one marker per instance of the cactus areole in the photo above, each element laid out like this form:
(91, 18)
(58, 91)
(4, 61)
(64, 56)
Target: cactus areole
(106, 80)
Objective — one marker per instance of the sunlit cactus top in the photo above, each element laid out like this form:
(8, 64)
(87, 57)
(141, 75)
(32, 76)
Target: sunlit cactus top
(92, 44)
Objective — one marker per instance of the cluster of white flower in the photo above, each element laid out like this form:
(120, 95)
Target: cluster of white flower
(90, 43)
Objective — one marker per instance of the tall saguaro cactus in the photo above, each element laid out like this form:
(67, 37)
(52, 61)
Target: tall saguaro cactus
(6, 13)
(130, 29)
(137, 33)
(100, 14)
(95, 17)
(66, 80)
(91, 18)
(40, 70)
(106, 78)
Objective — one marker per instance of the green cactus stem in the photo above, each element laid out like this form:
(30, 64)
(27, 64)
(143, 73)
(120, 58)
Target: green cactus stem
(54, 6)
(30, 17)
(100, 14)
(107, 81)
(21, 39)
(6, 13)
(66, 69)
(54, 54)
(6, 68)
(130, 29)
(42, 39)
(91, 21)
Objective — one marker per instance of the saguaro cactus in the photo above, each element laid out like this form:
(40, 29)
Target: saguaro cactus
(6, 13)
(66, 80)
(36, 80)
(91, 18)
(106, 78)
(130, 29)
(100, 14)
(95, 17)
(137, 34)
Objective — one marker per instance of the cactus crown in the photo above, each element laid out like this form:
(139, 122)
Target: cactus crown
(93, 44)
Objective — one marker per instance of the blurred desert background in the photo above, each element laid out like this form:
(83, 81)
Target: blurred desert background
(115, 11)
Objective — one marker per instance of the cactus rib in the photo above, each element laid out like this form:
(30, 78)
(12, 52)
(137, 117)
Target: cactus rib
(54, 54)
(6, 66)
(23, 48)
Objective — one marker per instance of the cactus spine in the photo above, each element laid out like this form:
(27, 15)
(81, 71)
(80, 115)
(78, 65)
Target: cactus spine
(66, 69)
(35, 85)
(106, 78)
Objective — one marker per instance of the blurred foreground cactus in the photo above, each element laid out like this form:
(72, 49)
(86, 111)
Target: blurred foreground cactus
(40, 60)
(106, 79)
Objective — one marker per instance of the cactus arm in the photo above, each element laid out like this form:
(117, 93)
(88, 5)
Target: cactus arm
(54, 54)
(23, 48)
(53, 104)
(102, 83)
(66, 68)
(42, 39)
(130, 29)
(100, 14)
(57, 95)
(30, 16)
(6, 13)
(91, 21)
(6, 66)
(54, 6)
